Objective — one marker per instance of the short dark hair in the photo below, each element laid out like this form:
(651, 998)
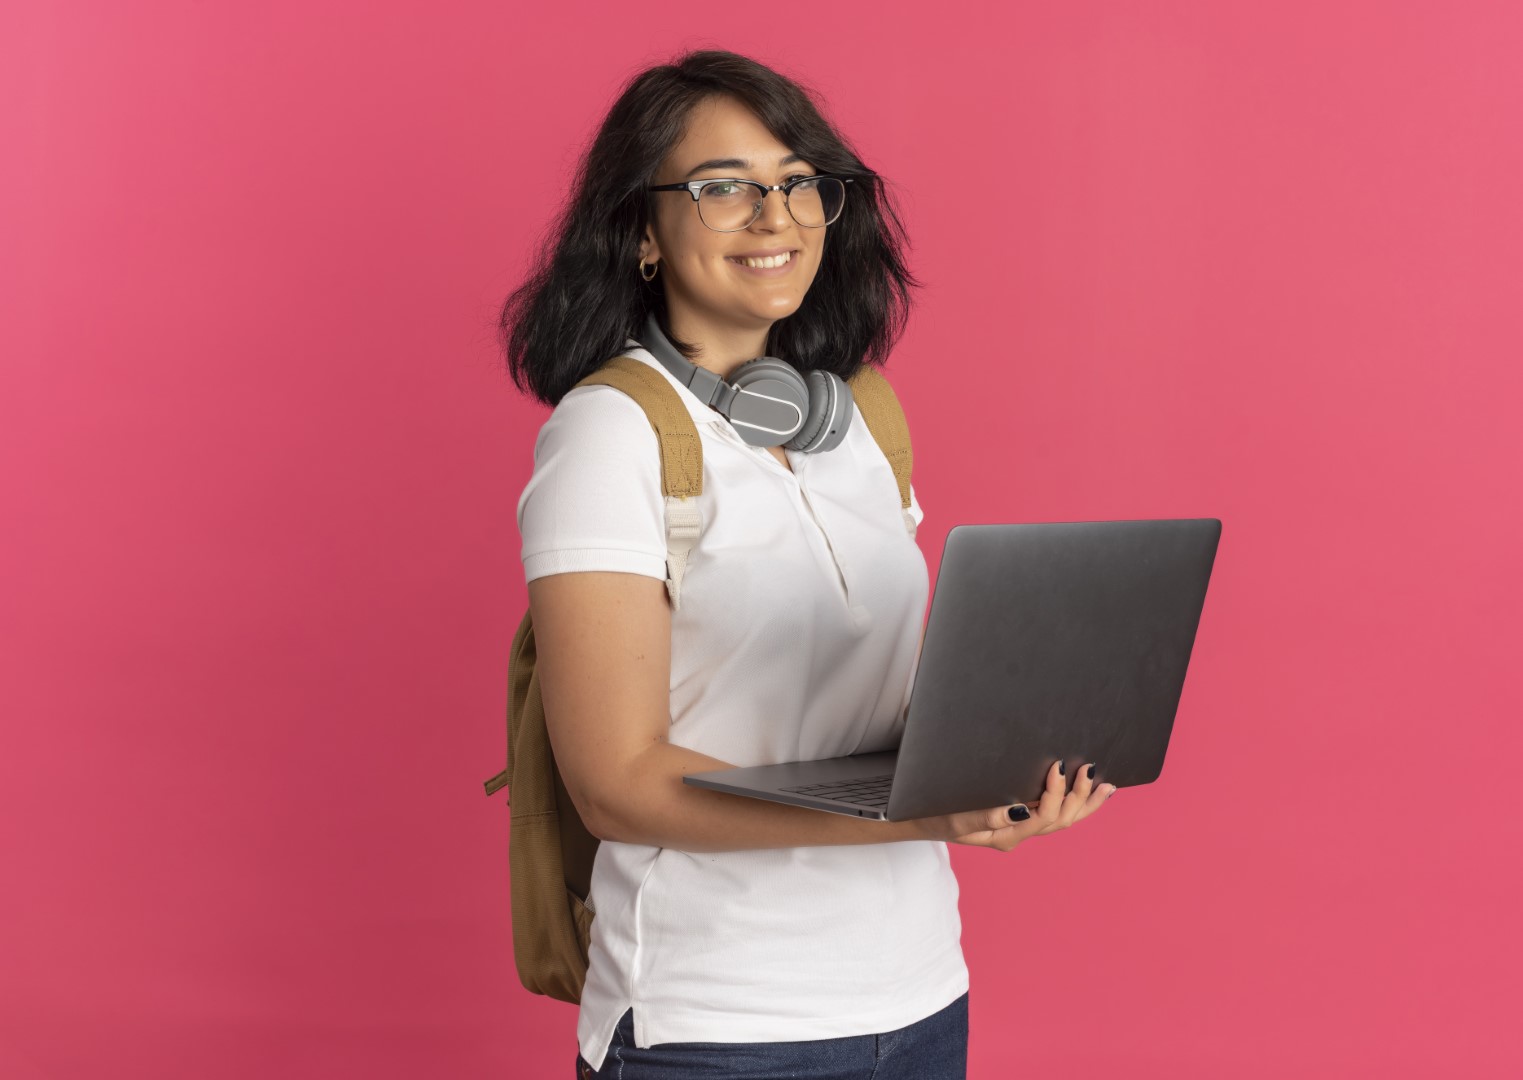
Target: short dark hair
(584, 296)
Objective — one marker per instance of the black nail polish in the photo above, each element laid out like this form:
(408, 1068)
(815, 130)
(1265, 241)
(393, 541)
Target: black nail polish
(1018, 813)
(1090, 773)
(1062, 770)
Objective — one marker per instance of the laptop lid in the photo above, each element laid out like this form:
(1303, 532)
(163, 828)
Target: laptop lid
(1061, 639)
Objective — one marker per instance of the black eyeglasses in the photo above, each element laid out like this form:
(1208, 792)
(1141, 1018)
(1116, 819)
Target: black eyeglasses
(727, 206)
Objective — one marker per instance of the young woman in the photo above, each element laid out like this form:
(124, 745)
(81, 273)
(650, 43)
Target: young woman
(735, 936)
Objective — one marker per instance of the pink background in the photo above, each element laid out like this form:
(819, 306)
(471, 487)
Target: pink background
(1255, 262)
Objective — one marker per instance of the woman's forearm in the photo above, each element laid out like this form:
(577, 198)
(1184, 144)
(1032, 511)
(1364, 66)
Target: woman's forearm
(653, 806)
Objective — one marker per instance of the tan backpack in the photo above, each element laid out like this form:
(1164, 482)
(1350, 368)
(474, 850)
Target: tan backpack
(550, 849)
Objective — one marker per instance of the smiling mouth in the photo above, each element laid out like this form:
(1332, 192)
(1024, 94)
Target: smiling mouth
(771, 262)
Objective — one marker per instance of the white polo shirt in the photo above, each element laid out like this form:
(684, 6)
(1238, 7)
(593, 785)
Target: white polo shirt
(797, 639)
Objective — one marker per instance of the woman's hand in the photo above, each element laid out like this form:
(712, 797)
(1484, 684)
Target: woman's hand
(1057, 809)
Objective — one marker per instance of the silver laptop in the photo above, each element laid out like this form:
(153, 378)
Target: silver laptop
(1056, 640)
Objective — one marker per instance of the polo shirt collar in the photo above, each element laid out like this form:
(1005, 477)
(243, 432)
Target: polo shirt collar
(701, 413)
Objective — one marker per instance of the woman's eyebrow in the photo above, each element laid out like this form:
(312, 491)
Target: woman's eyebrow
(737, 163)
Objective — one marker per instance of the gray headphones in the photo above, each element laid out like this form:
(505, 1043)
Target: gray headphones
(766, 400)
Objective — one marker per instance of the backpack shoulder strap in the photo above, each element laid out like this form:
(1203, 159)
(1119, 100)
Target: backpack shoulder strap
(681, 456)
(880, 408)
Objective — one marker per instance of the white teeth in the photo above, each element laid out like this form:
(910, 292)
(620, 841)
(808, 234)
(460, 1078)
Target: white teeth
(767, 262)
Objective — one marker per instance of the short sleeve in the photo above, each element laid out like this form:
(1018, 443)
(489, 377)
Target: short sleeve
(915, 511)
(594, 499)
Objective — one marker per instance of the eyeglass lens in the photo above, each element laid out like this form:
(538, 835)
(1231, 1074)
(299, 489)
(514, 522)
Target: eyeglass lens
(729, 207)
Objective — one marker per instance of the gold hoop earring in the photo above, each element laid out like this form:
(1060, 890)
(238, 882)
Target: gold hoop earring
(650, 276)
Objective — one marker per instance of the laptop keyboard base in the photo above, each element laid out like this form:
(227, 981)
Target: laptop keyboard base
(863, 791)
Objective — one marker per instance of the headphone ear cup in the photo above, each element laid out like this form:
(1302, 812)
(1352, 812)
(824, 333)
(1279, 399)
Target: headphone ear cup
(831, 408)
(773, 403)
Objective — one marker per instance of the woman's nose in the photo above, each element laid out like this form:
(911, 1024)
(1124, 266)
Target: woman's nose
(774, 212)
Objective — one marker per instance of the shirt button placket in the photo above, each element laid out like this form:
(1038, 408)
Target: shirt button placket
(837, 560)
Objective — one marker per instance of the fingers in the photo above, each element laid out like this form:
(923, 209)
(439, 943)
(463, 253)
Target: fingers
(1062, 807)
(1098, 798)
(1042, 818)
(994, 827)
(1078, 795)
(1059, 807)
(986, 828)
(1050, 805)
(1085, 797)
(1095, 794)
(1003, 832)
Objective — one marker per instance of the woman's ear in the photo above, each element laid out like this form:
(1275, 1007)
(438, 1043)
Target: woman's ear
(650, 251)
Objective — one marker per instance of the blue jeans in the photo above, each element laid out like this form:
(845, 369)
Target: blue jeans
(935, 1048)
